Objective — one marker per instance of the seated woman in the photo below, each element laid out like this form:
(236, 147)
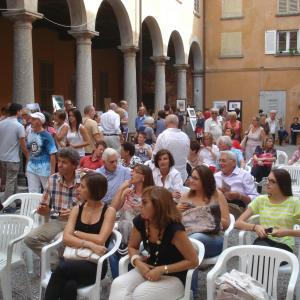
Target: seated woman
(205, 211)
(128, 158)
(128, 201)
(278, 212)
(210, 152)
(263, 158)
(142, 150)
(165, 174)
(94, 161)
(194, 158)
(161, 274)
(235, 143)
(89, 226)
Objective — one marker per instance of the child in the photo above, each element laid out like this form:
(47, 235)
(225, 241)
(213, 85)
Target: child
(143, 150)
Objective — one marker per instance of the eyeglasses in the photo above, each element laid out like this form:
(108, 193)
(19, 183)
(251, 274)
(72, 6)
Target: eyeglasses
(113, 161)
(272, 181)
(138, 172)
(194, 178)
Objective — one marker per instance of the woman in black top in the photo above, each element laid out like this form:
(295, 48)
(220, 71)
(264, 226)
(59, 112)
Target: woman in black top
(170, 252)
(89, 226)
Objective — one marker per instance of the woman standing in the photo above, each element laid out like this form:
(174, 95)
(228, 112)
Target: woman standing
(210, 152)
(162, 273)
(77, 136)
(235, 125)
(89, 226)
(278, 212)
(253, 138)
(61, 128)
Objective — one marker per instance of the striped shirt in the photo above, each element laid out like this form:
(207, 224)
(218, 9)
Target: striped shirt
(284, 215)
(58, 195)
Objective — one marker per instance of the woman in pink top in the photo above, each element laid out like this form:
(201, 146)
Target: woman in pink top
(234, 124)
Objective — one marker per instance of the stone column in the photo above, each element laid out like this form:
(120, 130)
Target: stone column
(198, 90)
(84, 76)
(130, 87)
(23, 79)
(181, 81)
(160, 81)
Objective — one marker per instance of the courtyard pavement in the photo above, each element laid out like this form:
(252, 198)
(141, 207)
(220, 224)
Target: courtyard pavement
(20, 276)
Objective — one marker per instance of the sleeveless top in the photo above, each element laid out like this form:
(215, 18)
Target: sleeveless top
(75, 138)
(58, 130)
(167, 252)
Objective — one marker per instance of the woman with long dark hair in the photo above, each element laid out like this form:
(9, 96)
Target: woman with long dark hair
(278, 212)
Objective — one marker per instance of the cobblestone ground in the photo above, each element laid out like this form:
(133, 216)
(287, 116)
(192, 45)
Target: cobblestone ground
(20, 278)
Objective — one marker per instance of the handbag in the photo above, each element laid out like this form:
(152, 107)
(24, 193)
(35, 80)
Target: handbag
(71, 253)
(244, 142)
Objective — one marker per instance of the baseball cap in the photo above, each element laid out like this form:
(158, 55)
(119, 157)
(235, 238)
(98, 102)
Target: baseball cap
(40, 116)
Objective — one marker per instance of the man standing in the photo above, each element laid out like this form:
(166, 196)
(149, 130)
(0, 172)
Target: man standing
(42, 151)
(12, 135)
(177, 142)
(60, 195)
(236, 184)
(110, 122)
(213, 125)
(140, 119)
(114, 173)
(92, 128)
(124, 119)
(273, 124)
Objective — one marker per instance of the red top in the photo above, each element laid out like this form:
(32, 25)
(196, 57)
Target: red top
(236, 144)
(86, 162)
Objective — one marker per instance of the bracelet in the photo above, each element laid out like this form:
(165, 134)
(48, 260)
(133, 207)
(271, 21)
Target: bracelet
(253, 229)
(133, 258)
(166, 269)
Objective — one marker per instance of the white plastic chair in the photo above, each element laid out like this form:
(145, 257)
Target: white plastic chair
(92, 292)
(13, 229)
(213, 260)
(261, 263)
(285, 269)
(248, 165)
(282, 158)
(199, 247)
(294, 171)
(29, 203)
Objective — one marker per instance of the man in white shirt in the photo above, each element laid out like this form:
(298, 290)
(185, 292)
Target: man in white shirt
(177, 142)
(110, 122)
(213, 125)
(273, 124)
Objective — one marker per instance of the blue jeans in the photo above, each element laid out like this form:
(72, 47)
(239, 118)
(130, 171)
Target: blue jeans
(213, 245)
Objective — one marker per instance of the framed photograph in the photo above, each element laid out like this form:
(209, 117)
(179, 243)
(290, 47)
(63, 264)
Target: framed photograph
(191, 112)
(34, 107)
(236, 104)
(219, 103)
(58, 102)
(180, 104)
(193, 122)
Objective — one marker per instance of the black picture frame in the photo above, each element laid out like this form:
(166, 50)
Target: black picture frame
(233, 104)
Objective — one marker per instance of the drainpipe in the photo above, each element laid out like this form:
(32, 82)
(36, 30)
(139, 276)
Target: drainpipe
(204, 53)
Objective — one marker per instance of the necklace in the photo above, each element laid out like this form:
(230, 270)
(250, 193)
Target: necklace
(153, 251)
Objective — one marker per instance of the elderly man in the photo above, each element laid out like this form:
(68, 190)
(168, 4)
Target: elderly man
(140, 119)
(91, 127)
(225, 143)
(124, 119)
(60, 195)
(213, 124)
(236, 184)
(177, 142)
(273, 124)
(110, 122)
(114, 173)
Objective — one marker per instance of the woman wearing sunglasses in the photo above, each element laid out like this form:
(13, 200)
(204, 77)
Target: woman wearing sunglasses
(278, 212)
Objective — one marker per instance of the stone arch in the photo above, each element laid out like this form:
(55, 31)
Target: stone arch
(156, 36)
(179, 48)
(195, 51)
(123, 19)
(78, 13)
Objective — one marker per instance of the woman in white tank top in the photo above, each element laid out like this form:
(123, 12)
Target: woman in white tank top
(77, 136)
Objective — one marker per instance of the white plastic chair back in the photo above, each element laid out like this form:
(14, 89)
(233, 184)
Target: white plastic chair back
(261, 263)
(294, 171)
(29, 202)
(282, 158)
(11, 228)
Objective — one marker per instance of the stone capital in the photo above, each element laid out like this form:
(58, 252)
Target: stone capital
(181, 67)
(129, 50)
(160, 60)
(83, 36)
(22, 16)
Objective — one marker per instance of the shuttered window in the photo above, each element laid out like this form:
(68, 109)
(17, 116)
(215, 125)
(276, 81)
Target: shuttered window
(232, 8)
(288, 7)
(46, 85)
(231, 44)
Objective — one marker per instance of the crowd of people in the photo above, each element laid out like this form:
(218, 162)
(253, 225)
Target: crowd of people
(161, 187)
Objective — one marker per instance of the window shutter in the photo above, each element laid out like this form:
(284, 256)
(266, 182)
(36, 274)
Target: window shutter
(293, 6)
(270, 42)
(282, 6)
(298, 41)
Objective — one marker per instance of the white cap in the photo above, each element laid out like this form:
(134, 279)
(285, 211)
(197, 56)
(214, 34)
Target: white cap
(40, 116)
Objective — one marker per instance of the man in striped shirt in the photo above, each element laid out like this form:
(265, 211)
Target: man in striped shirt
(59, 197)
